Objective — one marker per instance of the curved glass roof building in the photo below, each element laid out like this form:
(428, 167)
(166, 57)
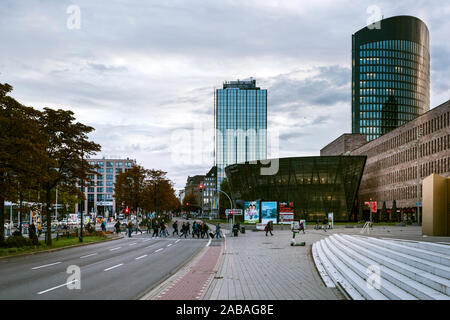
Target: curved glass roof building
(315, 185)
(390, 75)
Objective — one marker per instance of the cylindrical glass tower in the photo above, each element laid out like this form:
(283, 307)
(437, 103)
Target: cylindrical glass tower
(390, 75)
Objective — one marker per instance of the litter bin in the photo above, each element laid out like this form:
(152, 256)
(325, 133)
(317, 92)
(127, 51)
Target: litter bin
(242, 230)
(235, 232)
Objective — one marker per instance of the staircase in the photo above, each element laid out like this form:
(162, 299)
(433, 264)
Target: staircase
(368, 268)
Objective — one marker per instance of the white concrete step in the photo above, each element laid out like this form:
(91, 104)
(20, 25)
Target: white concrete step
(389, 260)
(335, 275)
(321, 268)
(354, 279)
(419, 263)
(384, 286)
(435, 257)
(410, 286)
(429, 246)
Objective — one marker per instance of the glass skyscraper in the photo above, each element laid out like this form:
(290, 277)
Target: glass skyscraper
(240, 123)
(390, 75)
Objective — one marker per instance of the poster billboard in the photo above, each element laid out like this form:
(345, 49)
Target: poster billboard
(251, 211)
(286, 212)
(268, 211)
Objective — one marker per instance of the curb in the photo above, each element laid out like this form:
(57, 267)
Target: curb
(58, 249)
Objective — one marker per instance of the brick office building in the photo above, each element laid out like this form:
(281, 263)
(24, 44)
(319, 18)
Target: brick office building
(390, 172)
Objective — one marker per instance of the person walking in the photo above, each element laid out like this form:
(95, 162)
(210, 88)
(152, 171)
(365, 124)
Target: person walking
(137, 227)
(269, 228)
(163, 230)
(103, 225)
(183, 230)
(188, 227)
(194, 229)
(325, 224)
(155, 229)
(205, 230)
(149, 225)
(302, 226)
(130, 229)
(218, 231)
(175, 228)
(117, 227)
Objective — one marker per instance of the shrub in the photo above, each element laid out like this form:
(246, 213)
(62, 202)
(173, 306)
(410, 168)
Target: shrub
(16, 241)
(90, 228)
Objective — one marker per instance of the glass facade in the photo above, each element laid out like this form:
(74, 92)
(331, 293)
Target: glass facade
(241, 124)
(390, 76)
(316, 185)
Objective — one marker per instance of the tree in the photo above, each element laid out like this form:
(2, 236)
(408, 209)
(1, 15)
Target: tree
(159, 193)
(384, 215)
(129, 187)
(394, 211)
(189, 203)
(66, 149)
(20, 149)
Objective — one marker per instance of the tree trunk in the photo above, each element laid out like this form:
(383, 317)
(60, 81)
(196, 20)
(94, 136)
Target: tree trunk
(48, 214)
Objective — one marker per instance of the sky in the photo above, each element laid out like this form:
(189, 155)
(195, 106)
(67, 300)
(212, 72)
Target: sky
(143, 73)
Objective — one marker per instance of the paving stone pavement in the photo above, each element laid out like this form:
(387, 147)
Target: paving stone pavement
(256, 267)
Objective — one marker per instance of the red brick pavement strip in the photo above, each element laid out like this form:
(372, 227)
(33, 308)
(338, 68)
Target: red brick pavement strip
(192, 284)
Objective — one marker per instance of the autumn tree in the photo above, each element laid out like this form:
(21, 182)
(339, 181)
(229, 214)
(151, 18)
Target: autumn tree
(66, 148)
(129, 187)
(190, 203)
(20, 150)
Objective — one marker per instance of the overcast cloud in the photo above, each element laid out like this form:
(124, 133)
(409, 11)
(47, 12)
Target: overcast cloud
(143, 73)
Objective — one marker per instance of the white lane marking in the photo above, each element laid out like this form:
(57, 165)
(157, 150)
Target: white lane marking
(114, 249)
(116, 266)
(141, 257)
(46, 265)
(159, 250)
(177, 240)
(89, 255)
(209, 242)
(62, 285)
(169, 244)
(132, 243)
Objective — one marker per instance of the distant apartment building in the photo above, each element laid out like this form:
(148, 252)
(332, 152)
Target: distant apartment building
(209, 190)
(99, 190)
(192, 187)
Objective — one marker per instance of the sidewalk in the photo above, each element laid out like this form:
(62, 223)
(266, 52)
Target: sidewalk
(256, 267)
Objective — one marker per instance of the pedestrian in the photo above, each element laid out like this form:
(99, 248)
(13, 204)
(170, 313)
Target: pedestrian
(194, 229)
(175, 228)
(205, 230)
(117, 226)
(130, 229)
(137, 226)
(183, 230)
(218, 231)
(188, 228)
(269, 228)
(325, 224)
(149, 225)
(302, 226)
(103, 226)
(163, 230)
(155, 229)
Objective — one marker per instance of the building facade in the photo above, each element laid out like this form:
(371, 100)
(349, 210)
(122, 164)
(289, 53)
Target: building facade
(390, 75)
(209, 191)
(398, 161)
(192, 187)
(99, 190)
(240, 123)
(315, 185)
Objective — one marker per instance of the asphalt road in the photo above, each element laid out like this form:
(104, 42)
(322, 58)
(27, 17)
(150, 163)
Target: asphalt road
(121, 269)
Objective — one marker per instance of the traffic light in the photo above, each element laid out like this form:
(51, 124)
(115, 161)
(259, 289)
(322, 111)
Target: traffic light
(126, 210)
(187, 203)
(200, 187)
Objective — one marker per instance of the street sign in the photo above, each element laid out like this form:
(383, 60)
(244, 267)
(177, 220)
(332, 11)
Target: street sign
(236, 212)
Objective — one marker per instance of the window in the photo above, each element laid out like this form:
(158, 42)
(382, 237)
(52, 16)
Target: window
(109, 164)
(109, 177)
(109, 170)
(118, 170)
(109, 190)
(91, 189)
(99, 190)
